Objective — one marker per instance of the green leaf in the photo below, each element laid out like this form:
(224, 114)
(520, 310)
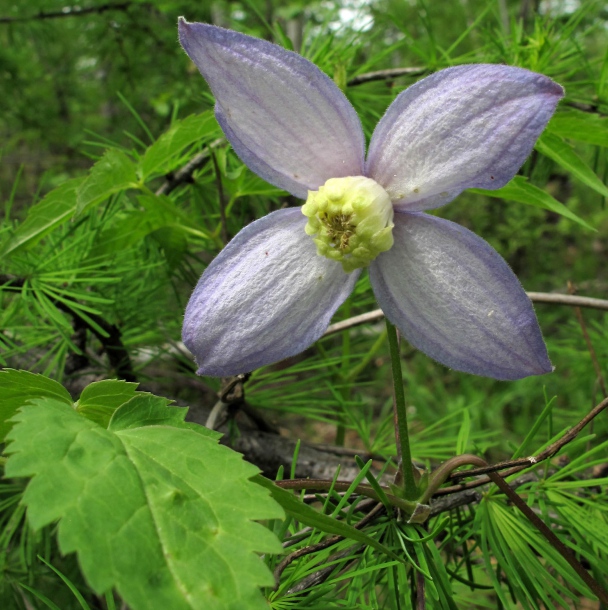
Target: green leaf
(309, 516)
(562, 153)
(580, 126)
(56, 207)
(157, 159)
(100, 399)
(520, 190)
(162, 514)
(19, 387)
(148, 410)
(113, 173)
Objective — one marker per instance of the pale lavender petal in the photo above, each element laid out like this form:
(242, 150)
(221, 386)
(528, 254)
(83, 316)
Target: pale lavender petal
(285, 119)
(463, 127)
(266, 296)
(454, 298)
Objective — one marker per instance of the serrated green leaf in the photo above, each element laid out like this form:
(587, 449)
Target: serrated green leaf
(162, 514)
(313, 518)
(100, 399)
(113, 173)
(56, 207)
(19, 387)
(157, 159)
(520, 190)
(562, 153)
(580, 126)
(148, 410)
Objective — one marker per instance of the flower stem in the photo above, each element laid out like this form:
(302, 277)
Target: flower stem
(401, 431)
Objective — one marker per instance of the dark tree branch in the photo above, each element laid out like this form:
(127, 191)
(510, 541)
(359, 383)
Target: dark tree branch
(70, 11)
(389, 74)
(590, 348)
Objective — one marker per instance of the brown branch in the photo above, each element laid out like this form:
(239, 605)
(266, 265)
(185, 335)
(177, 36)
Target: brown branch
(109, 337)
(535, 297)
(590, 348)
(389, 74)
(557, 544)
(540, 525)
(70, 11)
(567, 299)
(444, 504)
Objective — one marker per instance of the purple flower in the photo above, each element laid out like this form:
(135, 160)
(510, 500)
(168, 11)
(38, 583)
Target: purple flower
(274, 288)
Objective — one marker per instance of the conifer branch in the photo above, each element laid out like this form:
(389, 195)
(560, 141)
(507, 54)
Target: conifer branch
(110, 337)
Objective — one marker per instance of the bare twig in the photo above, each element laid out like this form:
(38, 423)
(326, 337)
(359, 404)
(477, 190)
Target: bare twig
(536, 297)
(389, 74)
(557, 544)
(567, 299)
(70, 11)
(443, 504)
(441, 474)
(590, 348)
(420, 592)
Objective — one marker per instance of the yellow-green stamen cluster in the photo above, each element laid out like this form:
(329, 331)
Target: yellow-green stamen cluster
(350, 220)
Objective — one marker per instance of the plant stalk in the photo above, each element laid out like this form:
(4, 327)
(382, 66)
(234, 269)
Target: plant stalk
(401, 429)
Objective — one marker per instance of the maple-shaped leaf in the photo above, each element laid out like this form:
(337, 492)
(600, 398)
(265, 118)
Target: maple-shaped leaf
(162, 513)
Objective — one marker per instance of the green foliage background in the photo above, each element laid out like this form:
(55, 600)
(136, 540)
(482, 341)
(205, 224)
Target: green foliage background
(101, 244)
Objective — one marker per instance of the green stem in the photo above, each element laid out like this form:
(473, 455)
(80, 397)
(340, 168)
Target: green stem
(345, 386)
(403, 439)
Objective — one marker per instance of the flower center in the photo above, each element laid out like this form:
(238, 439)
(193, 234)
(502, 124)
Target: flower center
(350, 220)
